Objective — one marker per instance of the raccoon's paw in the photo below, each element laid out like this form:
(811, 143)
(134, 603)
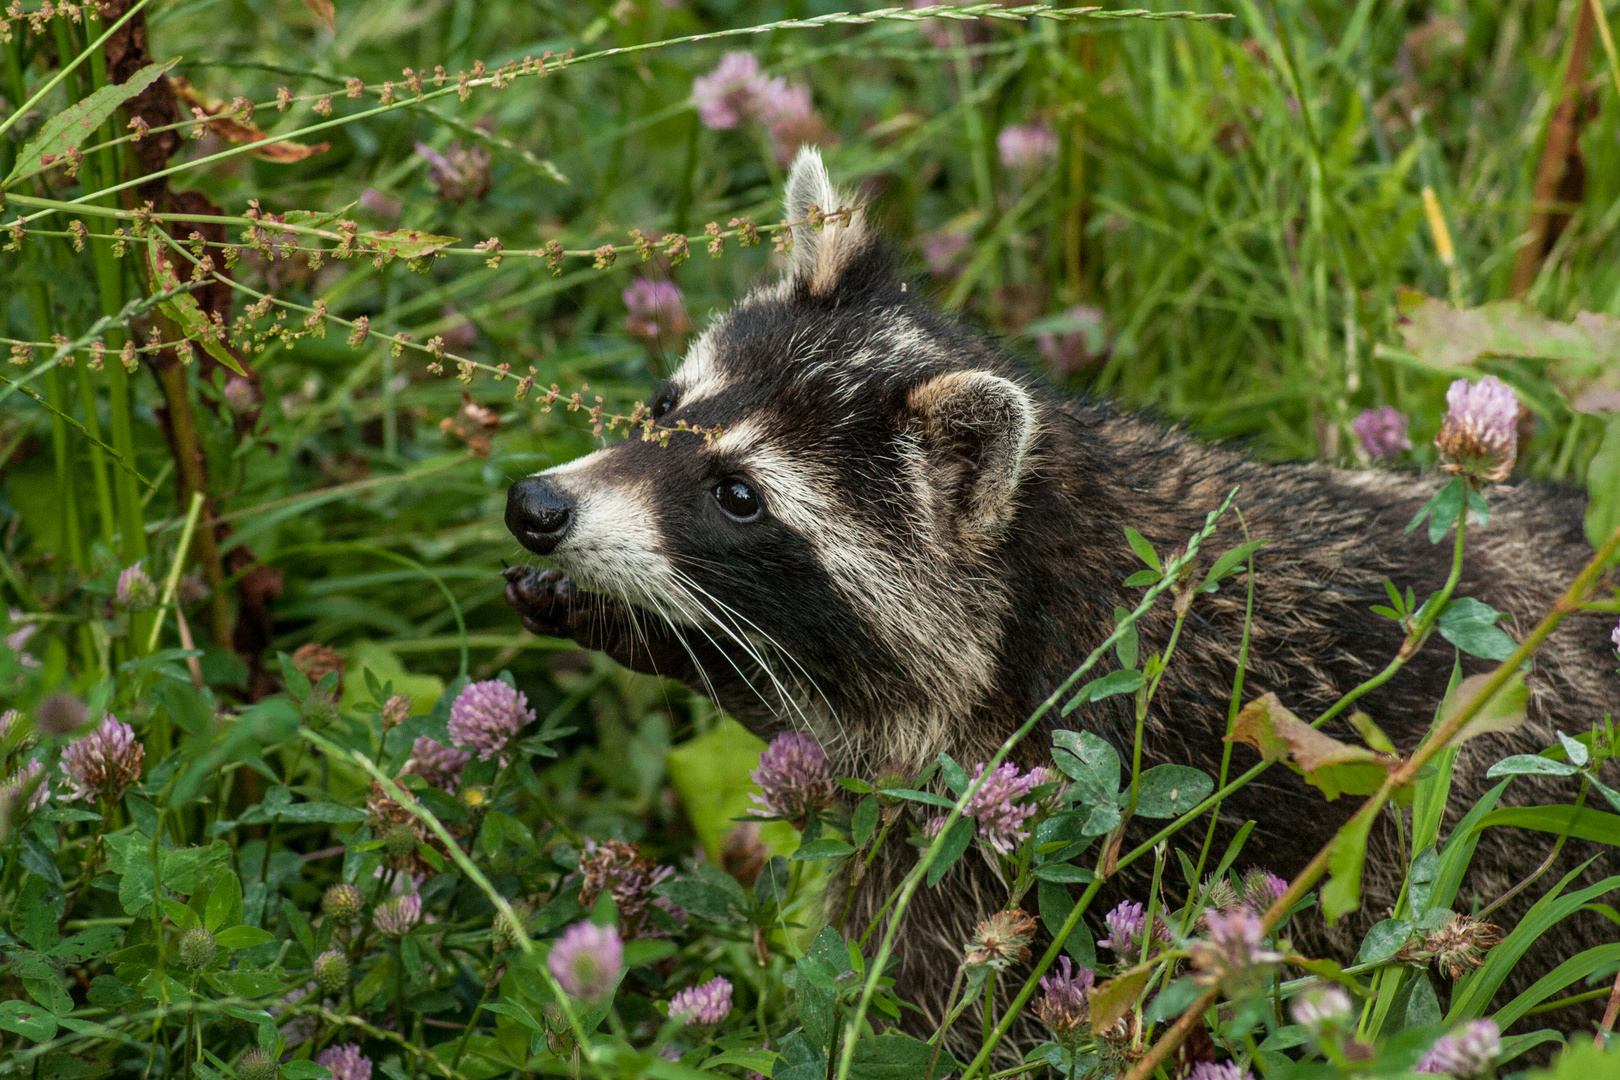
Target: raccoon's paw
(545, 599)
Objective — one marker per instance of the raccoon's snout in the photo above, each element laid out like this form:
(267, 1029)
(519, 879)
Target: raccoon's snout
(538, 514)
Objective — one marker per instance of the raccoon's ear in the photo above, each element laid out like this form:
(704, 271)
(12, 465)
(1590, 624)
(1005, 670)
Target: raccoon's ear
(822, 257)
(977, 429)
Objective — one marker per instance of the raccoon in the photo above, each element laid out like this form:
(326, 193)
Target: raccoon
(902, 541)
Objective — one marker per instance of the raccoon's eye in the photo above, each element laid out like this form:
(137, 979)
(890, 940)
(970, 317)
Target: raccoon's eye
(737, 499)
(663, 401)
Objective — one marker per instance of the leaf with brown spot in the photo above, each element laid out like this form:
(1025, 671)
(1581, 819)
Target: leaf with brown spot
(230, 126)
(324, 10)
(406, 243)
(1112, 1001)
(1336, 768)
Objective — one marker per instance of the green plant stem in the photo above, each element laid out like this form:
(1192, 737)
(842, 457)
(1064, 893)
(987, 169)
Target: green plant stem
(472, 1022)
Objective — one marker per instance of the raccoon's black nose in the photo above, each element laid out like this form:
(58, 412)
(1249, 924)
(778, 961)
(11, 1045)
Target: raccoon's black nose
(538, 514)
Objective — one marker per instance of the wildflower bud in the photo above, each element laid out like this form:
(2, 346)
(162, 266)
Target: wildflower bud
(503, 934)
(345, 1062)
(1471, 1052)
(1382, 432)
(1233, 956)
(704, 1005)
(1479, 434)
(197, 948)
(400, 842)
(1219, 894)
(619, 868)
(136, 592)
(1000, 805)
(486, 717)
(436, 763)
(1064, 1006)
(399, 916)
(60, 714)
(1001, 940)
(341, 902)
(257, 1064)
(1460, 945)
(395, 711)
(793, 779)
(1026, 147)
(1261, 889)
(104, 763)
(1322, 1008)
(587, 960)
(1125, 926)
(473, 797)
(239, 394)
(332, 971)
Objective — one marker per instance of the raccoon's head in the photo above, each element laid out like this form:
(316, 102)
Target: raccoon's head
(839, 539)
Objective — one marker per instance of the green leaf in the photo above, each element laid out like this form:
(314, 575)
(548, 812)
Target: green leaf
(1143, 577)
(1124, 681)
(69, 128)
(242, 937)
(304, 1070)
(223, 901)
(1173, 1000)
(951, 847)
(1067, 873)
(406, 243)
(759, 1061)
(1091, 762)
(912, 795)
(893, 1056)
(1581, 822)
(1228, 564)
(1342, 894)
(1603, 486)
(1445, 505)
(1126, 648)
(863, 823)
(89, 944)
(825, 848)
(30, 1021)
(1143, 549)
(1055, 906)
(1459, 849)
(1575, 968)
(304, 813)
(1171, 790)
(1530, 765)
(1470, 625)
(184, 309)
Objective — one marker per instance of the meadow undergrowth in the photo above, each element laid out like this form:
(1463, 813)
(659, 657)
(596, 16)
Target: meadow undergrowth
(292, 291)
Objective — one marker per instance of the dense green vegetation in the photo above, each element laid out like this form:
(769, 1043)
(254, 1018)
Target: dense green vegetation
(283, 289)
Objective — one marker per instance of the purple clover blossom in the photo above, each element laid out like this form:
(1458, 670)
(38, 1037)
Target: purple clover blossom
(1064, 1006)
(793, 779)
(398, 916)
(135, 591)
(943, 251)
(1479, 434)
(438, 764)
(1226, 1070)
(1320, 1008)
(104, 763)
(586, 960)
(1469, 1052)
(11, 791)
(996, 805)
(706, 1004)
(655, 311)
(1382, 431)
(460, 173)
(728, 96)
(934, 826)
(1026, 147)
(1234, 955)
(346, 1062)
(781, 102)
(1125, 924)
(1261, 889)
(487, 716)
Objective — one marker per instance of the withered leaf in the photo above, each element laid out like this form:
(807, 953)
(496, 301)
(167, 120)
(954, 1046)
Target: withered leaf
(1505, 711)
(230, 126)
(324, 10)
(1111, 1001)
(1335, 767)
(1583, 355)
